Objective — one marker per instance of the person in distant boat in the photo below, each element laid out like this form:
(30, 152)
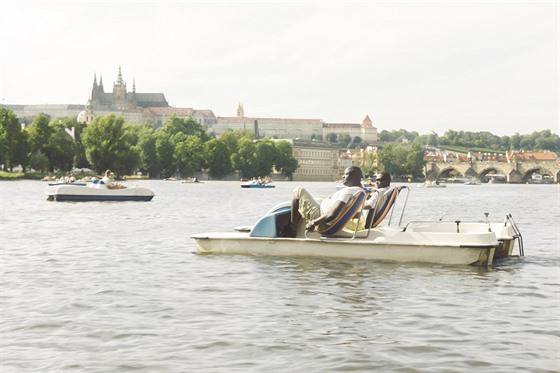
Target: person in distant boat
(113, 184)
(107, 180)
(320, 215)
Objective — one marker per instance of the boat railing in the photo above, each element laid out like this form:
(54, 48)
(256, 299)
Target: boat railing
(400, 189)
(461, 226)
(391, 208)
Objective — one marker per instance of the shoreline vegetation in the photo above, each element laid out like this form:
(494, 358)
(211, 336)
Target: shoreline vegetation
(7, 176)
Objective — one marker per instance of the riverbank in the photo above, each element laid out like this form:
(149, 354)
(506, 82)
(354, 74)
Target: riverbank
(4, 175)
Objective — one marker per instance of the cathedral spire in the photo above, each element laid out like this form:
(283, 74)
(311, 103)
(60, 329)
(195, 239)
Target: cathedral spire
(120, 80)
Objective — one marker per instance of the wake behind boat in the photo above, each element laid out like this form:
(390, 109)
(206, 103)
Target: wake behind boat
(95, 192)
(440, 242)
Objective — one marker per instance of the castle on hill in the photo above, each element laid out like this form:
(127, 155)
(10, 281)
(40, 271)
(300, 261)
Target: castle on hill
(139, 107)
(121, 99)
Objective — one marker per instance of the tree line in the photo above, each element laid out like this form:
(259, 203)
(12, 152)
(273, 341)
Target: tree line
(181, 147)
(536, 141)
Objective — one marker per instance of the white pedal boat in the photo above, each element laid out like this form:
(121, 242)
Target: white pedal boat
(97, 193)
(438, 242)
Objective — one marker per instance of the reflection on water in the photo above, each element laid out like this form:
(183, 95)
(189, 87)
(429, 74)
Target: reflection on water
(101, 287)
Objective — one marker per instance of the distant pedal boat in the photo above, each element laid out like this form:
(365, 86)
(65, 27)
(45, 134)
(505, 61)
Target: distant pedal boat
(94, 193)
(253, 184)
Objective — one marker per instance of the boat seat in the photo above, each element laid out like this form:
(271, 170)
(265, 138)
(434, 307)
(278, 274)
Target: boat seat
(380, 211)
(374, 216)
(354, 206)
(267, 226)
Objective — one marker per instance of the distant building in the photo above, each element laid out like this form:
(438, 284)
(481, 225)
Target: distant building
(287, 128)
(133, 106)
(282, 128)
(365, 131)
(318, 161)
(520, 156)
(122, 100)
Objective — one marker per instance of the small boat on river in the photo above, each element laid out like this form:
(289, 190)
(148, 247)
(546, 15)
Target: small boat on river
(191, 180)
(256, 184)
(96, 192)
(73, 183)
(432, 184)
(441, 242)
(472, 182)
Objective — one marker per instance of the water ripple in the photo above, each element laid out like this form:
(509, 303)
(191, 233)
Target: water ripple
(109, 287)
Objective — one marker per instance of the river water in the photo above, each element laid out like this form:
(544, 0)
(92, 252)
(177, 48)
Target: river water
(117, 287)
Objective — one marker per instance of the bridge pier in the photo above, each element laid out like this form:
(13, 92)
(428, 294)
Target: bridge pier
(514, 177)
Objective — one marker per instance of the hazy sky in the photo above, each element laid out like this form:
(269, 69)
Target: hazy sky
(418, 65)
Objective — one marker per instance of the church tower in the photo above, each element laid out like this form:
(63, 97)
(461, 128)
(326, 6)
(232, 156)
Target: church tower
(119, 93)
(132, 95)
(240, 111)
(97, 97)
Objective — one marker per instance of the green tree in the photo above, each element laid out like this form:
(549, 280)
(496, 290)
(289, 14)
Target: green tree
(345, 139)
(332, 137)
(388, 161)
(285, 160)
(39, 161)
(188, 155)
(106, 146)
(165, 150)
(147, 139)
(368, 164)
(16, 148)
(403, 161)
(265, 156)
(229, 139)
(217, 158)
(60, 148)
(546, 140)
(3, 145)
(80, 159)
(187, 126)
(515, 142)
(245, 158)
(415, 160)
(39, 133)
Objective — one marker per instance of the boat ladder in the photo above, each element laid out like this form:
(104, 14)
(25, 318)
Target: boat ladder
(518, 235)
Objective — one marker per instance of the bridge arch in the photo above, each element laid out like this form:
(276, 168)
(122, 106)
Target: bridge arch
(515, 172)
(527, 176)
(496, 174)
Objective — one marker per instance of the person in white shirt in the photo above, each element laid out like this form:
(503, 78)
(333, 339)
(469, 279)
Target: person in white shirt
(106, 179)
(377, 197)
(320, 215)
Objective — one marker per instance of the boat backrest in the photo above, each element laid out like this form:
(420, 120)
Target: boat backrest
(380, 211)
(353, 207)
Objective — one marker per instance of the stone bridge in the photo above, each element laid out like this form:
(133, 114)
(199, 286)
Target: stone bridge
(515, 172)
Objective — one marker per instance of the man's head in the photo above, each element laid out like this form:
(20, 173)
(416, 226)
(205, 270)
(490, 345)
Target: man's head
(383, 179)
(352, 176)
